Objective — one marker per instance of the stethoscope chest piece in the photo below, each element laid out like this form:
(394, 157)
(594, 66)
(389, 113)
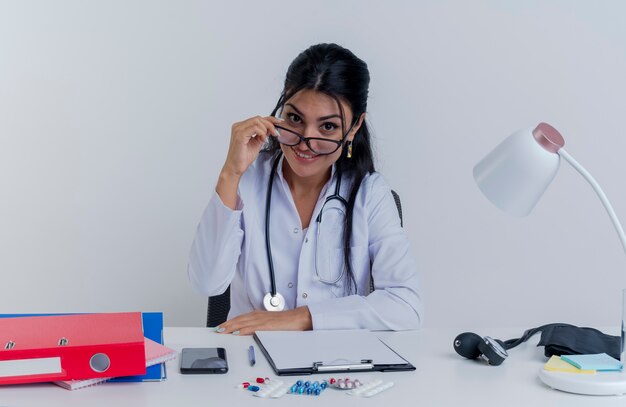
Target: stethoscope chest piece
(274, 303)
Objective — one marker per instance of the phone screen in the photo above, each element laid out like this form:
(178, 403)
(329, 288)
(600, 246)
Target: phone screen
(203, 360)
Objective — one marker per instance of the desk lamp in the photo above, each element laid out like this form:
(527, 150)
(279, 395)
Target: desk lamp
(513, 177)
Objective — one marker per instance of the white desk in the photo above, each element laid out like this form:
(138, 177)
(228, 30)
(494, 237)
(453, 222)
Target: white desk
(442, 378)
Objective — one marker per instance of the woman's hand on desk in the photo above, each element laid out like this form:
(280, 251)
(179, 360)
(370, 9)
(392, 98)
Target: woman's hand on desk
(298, 319)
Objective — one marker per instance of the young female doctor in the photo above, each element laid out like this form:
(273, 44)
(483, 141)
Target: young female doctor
(300, 222)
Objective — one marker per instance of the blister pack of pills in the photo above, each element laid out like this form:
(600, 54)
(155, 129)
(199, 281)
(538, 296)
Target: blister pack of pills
(273, 389)
(370, 389)
(307, 388)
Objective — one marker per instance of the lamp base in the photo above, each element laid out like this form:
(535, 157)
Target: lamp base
(599, 384)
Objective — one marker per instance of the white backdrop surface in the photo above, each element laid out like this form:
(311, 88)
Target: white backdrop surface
(115, 119)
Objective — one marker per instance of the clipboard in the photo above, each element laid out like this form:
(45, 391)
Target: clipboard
(332, 351)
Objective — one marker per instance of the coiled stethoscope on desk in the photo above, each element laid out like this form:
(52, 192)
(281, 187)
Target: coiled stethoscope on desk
(274, 301)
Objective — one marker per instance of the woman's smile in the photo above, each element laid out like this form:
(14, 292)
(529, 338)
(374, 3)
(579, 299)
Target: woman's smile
(305, 156)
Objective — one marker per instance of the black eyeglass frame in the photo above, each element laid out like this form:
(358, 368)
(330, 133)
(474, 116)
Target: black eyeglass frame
(307, 140)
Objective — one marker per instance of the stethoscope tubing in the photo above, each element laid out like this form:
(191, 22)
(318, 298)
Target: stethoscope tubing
(268, 245)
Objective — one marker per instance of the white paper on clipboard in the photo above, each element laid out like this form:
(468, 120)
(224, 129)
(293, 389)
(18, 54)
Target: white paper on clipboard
(302, 349)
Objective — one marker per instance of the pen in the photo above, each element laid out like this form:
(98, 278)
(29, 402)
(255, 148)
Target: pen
(251, 355)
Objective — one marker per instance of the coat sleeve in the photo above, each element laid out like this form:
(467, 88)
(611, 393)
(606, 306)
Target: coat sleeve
(216, 247)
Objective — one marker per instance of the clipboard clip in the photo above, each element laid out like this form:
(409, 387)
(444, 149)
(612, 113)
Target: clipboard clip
(365, 364)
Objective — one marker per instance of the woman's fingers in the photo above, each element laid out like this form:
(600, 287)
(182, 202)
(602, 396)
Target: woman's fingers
(247, 140)
(260, 132)
(246, 324)
(256, 128)
(240, 324)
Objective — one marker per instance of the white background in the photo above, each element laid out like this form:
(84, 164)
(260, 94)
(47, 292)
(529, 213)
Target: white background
(115, 119)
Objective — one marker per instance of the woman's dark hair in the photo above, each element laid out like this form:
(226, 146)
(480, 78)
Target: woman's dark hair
(338, 73)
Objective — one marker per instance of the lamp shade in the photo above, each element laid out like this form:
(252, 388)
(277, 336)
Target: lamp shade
(517, 172)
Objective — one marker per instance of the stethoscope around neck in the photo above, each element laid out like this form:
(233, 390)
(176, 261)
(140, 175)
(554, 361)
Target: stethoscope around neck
(274, 301)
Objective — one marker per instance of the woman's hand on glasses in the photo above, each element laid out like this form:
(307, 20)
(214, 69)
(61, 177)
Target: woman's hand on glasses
(246, 141)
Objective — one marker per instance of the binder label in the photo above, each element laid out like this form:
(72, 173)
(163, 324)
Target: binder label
(27, 367)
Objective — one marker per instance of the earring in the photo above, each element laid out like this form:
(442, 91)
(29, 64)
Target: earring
(349, 149)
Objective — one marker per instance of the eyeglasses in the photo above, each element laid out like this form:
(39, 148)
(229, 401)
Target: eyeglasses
(320, 146)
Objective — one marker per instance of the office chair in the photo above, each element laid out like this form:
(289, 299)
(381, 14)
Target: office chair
(219, 305)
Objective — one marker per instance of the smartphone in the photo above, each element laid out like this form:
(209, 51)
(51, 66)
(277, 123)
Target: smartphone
(203, 360)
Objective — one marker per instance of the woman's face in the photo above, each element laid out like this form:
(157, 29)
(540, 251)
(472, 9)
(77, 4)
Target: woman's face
(315, 114)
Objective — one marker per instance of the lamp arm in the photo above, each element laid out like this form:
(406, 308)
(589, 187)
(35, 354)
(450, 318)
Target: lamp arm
(596, 187)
